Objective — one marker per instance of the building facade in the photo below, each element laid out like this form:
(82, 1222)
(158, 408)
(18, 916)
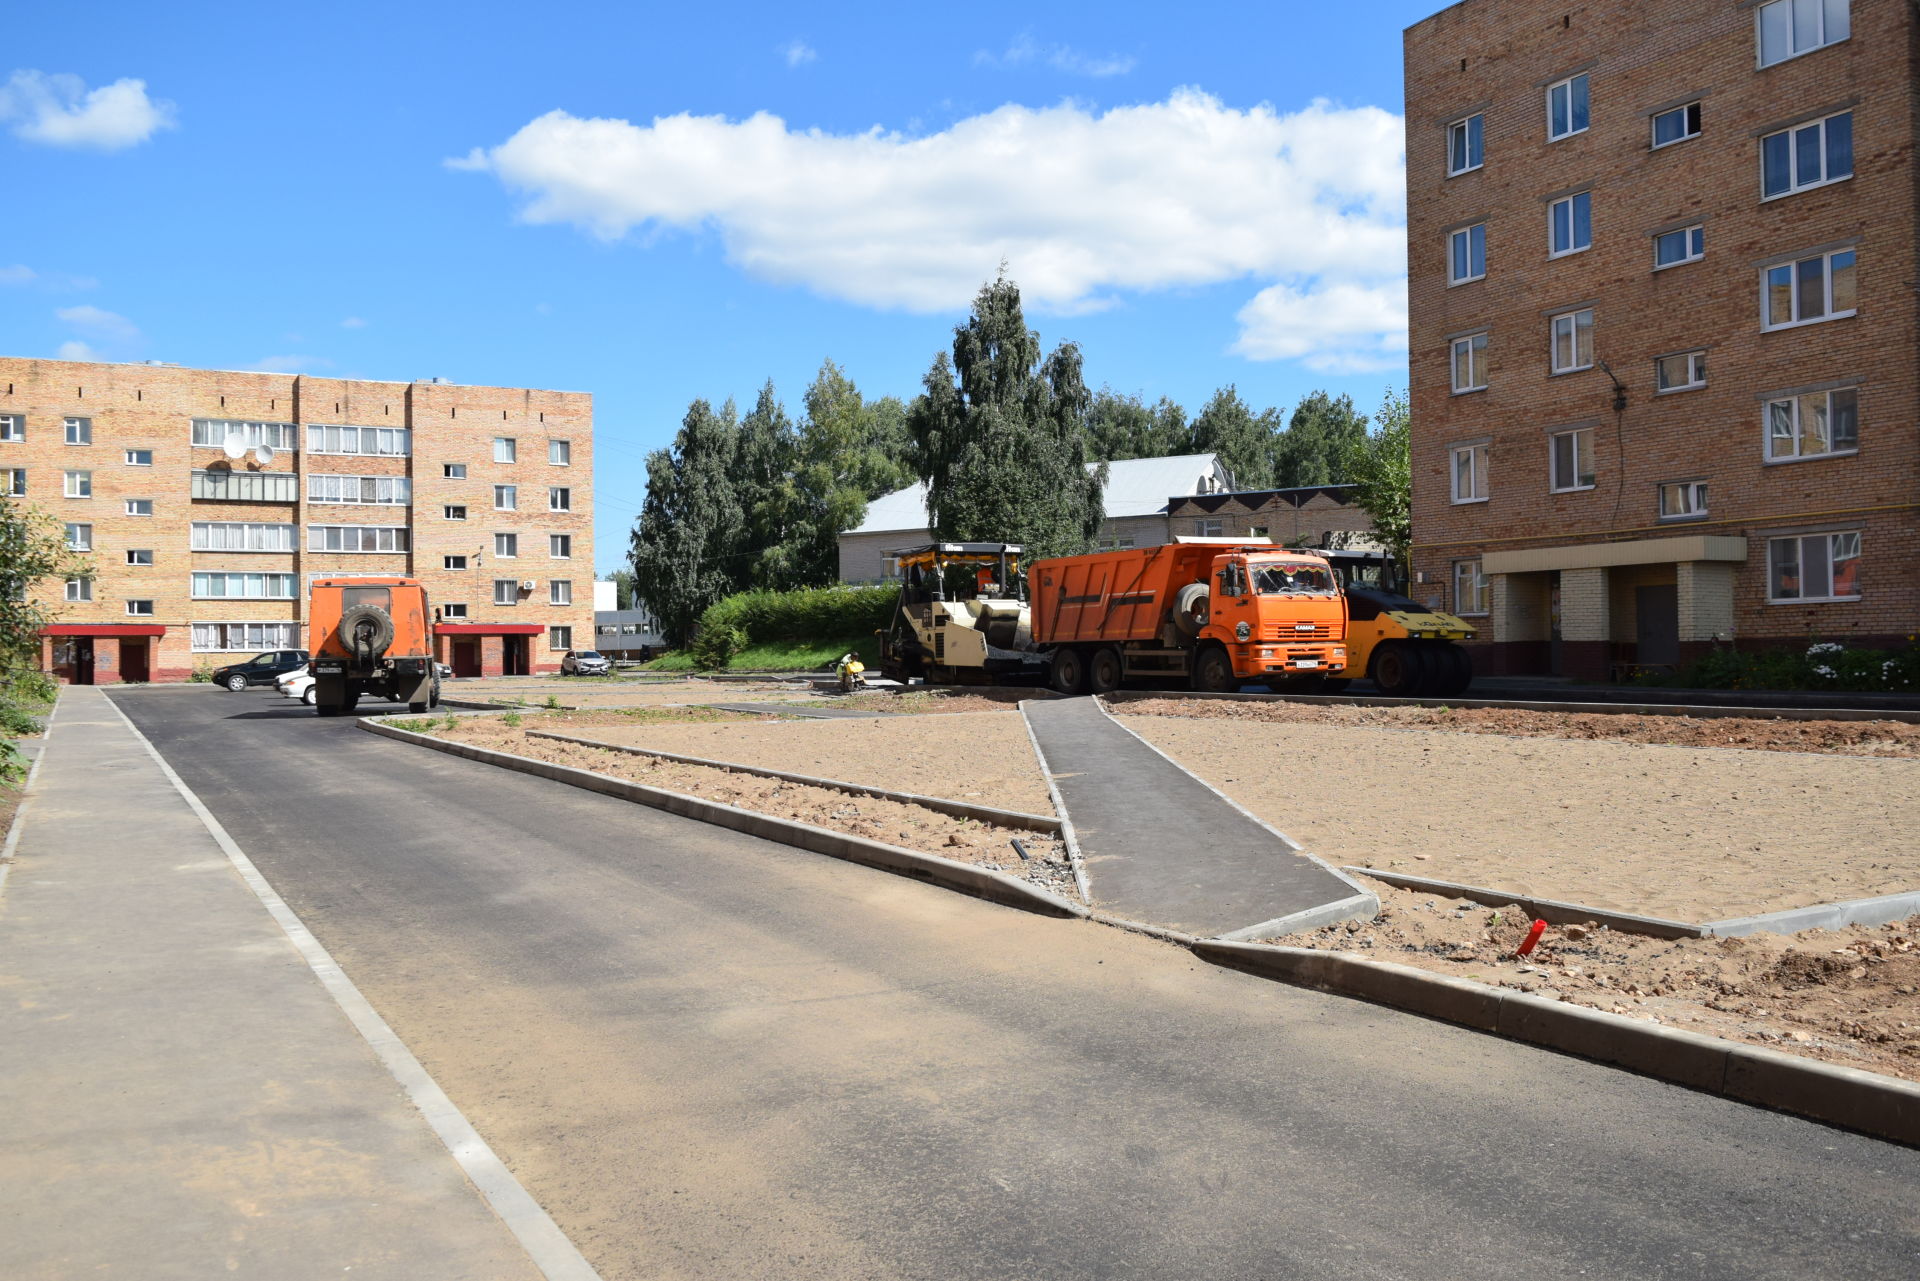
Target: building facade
(1665, 326)
(1314, 515)
(207, 501)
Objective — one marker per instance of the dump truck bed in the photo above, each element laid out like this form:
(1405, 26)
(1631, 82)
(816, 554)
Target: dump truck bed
(1112, 596)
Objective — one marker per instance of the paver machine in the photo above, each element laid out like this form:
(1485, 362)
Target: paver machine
(1404, 648)
(961, 618)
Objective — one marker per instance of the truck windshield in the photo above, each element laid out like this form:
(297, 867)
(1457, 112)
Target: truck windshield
(1291, 580)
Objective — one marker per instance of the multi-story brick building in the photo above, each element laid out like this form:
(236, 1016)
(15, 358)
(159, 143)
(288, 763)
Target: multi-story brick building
(1665, 324)
(209, 500)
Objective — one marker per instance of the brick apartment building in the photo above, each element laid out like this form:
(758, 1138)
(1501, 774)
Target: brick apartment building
(209, 500)
(1665, 325)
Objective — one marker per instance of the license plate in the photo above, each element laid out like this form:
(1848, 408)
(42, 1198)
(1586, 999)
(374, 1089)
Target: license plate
(1306, 662)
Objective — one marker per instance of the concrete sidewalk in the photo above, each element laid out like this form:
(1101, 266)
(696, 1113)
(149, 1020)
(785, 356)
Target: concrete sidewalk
(180, 1097)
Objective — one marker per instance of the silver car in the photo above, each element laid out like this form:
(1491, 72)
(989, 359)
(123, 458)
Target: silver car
(585, 662)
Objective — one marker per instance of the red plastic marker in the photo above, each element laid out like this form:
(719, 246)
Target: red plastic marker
(1533, 937)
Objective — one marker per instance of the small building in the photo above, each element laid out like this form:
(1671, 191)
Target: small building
(628, 633)
(1311, 516)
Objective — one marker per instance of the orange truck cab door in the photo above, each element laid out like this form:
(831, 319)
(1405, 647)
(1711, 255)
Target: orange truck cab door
(1231, 612)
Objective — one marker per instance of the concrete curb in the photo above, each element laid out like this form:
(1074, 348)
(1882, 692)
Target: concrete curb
(1702, 711)
(1545, 909)
(1872, 1104)
(956, 809)
(980, 882)
(1883, 910)
(1059, 807)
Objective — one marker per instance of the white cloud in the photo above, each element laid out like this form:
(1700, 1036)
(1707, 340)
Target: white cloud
(76, 350)
(60, 111)
(353, 322)
(798, 53)
(1082, 206)
(98, 321)
(290, 364)
(18, 275)
(55, 281)
(1337, 328)
(1024, 51)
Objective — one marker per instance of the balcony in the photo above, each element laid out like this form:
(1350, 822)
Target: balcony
(247, 486)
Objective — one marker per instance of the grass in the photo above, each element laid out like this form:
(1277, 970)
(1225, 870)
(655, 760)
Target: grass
(781, 656)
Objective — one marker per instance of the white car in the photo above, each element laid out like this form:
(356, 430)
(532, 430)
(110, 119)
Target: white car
(298, 685)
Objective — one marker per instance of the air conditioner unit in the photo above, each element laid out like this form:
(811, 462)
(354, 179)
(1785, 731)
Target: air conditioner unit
(527, 584)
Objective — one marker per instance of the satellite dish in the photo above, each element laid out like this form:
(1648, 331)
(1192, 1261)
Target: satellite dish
(263, 454)
(234, 446)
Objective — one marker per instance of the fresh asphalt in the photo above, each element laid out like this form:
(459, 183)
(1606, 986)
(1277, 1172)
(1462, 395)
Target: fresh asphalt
(711, 1056)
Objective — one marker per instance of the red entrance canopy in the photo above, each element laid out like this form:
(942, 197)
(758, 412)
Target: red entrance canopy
(104, 629)
(489, 629)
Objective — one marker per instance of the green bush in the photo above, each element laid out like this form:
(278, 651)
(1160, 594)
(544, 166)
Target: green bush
(15, 721)
(1826, 665)
(715, 644)
(201, 675)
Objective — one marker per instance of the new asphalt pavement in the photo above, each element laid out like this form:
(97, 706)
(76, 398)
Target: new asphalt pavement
(709, 1056)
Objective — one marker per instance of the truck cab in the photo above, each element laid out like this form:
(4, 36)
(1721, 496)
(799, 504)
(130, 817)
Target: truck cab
(1278, 615)
(371, 636)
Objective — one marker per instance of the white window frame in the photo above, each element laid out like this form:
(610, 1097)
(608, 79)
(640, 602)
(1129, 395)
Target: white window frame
(511, 493)
(1690, 121)
(1581, 461)
(559, 546)
(1464, 128)
(78, 542)
(451, 610)
(13, 482)
(253, 536)
(1567, 84)
(1793, 134)
(1692, 496)
(343, 440)
(509, 541)
(1571, 204)
(560, 636)
(134, 508)
(1823, 12)
(1475, 348)
(506, 591)
(77, 484)
(13, 428)
(509, 446)
(453, 471)
(1695, 244)
(212, 433)
(559, 498)
(1553, 349)
(1847, 540)
(1827, 269)
(447, 512)
(79, 431)
(79, 590)
(134, 553)
(559, 453)
(253, 637)
(560, 591)
(448, 563)
(273, 585)
(1479, 590)
(1454, 238)
(139, 457)
(134, 608)
(334, 539)
(1696, 372)
(1207, 529)
(1797, 426)
(345, 490)
(1477, 490)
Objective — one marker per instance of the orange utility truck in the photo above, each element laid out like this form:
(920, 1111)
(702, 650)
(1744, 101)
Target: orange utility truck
(1214, 612)
(371, 636)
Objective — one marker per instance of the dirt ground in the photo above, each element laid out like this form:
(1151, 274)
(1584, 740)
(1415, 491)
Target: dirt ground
(912, 827)
(587, 692)
(984, 757)
(1694, 834)
(1849, 996)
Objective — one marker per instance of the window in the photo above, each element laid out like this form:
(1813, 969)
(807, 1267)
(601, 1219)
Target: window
(381, 442)
(559, 500)
(1470, 474)
(1814, 567)
(13, 482)
(243, 586)
(1470, 363)
(559, 638)
(139, 458)
(240, 536)
(506, 546)
(1573, 341)
(1570, 225)
(139, 507)
(139, 555)
(1789, 28)
(1467, 254)
(139, 607)
(247, 487)
(383, 491)
(1466, 146)
(216, 431)
(506, 591)
(506, 498)
(453, 471)
(505, 449)
(1677, 125)
(13, 427)
(79, 537)
(1571, 465)
(560, 453)
(560, 592)
(454, 511)
(1817, 288)
(1472, 593)
(79, 589)
(357, 538)
(1683, 500)
(79, 431)
(250, 637)
(560, 546)
(1212, 529)
(79, 484)
(1813, 425)
(452, 610)
(1567, 108)
(1671, 248)
(1809, 155)
(453, 562)
(1683, 371)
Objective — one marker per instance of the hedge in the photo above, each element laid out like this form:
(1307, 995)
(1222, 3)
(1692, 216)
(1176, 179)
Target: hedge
(811, 614)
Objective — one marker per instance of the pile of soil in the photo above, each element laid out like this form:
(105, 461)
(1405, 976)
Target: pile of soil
(1764, 734)
(1848, 996)
(912, 827)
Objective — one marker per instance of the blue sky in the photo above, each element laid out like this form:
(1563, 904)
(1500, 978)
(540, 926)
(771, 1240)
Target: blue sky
(654, 203)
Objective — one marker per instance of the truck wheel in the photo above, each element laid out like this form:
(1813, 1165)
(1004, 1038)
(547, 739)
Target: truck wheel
(1213, 672)
(416, 708)
(236, 683)
(1104, 670)
(1069, 671)
(1454, 668)
(1399, 669)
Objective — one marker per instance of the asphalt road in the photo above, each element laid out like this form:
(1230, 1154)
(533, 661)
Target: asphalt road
(713, 1057)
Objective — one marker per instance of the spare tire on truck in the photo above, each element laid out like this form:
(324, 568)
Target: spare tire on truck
(366, 630)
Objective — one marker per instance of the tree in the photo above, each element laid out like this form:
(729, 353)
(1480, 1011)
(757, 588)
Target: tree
(1120, 427)
(1227, 427)
(1379, 465)
(1001, 435)
(33, 549)
(623, 594)
(688, 544)
(1317, 442)
(761, 479)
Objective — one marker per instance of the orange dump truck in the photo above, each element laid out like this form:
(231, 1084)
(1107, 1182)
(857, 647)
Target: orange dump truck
(371, 636)
(1213, 612)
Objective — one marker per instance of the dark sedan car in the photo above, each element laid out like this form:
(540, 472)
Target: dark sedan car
(261, 669)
